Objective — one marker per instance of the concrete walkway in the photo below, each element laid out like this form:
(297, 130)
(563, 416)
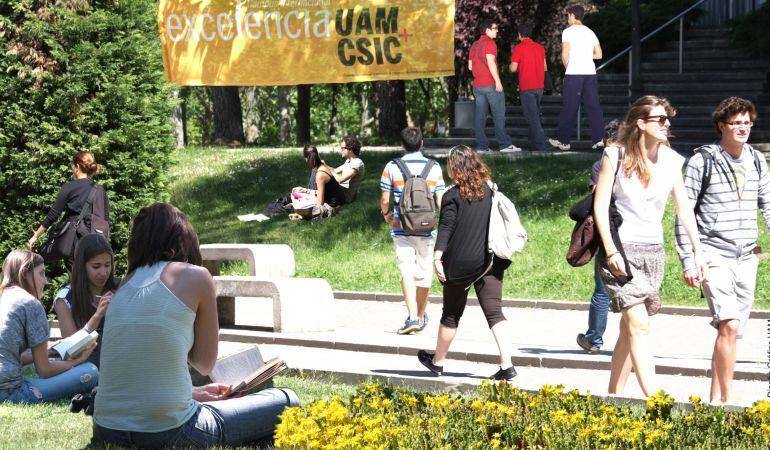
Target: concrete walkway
(365, 344)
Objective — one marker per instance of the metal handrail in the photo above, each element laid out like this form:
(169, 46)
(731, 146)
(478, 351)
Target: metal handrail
(679, 17)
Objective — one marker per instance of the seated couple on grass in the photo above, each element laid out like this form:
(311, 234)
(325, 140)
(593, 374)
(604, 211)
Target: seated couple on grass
(329, 188)
(164, 317)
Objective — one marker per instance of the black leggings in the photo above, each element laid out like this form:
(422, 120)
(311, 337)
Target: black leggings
(489, 290)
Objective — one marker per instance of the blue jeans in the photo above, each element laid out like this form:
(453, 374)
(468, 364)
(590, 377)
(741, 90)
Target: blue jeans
(230, 423)
(79, 379)
(581, 89)
(487, 98)
(597, 313)
(530, 105)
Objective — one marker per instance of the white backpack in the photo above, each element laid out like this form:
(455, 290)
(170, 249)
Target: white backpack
(506, 234)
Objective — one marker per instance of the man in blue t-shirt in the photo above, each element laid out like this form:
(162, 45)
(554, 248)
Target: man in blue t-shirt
(414, 251)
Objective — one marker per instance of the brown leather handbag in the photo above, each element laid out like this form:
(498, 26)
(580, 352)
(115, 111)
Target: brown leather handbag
(584, 242)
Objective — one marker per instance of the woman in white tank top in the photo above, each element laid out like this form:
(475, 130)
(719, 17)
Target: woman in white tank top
(649, 172)
(161, 319)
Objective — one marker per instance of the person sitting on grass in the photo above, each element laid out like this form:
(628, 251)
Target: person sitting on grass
(83, 303)
(329, 194)
(23, 326)
(164, 317)
(351, 172)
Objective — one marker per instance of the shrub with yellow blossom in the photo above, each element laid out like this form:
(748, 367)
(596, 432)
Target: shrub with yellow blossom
(500, 416)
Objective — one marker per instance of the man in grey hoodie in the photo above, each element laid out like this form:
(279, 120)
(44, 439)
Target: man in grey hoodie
(727, 182)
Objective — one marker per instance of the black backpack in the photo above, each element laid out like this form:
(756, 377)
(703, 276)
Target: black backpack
(416, 208)
(708, 169)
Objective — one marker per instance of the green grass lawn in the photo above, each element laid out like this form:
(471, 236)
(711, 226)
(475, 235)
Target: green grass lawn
(353, 250)
(52, 426)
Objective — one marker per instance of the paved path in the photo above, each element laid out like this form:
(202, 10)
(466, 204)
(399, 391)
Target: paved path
(365, 343)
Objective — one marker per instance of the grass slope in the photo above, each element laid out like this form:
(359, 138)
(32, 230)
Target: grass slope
(353, 250)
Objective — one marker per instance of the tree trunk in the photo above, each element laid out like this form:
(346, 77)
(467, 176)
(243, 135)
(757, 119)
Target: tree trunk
(333, 113)
(228, 118)
(392, 115)
(284, 105)
(251, 121)
(303, 114)
(177, 119)
(368, 112)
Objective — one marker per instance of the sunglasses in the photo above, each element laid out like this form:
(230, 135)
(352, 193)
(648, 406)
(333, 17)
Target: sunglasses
(660, 119)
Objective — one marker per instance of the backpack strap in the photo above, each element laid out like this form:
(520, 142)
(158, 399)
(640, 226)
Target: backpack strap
(401, 164)
(757, 162)
(426, 170)
(89, 204)
(708, 169)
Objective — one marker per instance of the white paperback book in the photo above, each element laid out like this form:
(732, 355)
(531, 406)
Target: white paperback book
(74, 346)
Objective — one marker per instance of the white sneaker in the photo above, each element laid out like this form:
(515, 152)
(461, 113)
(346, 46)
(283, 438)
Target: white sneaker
(598, 145)
(510, 149)
(557, 144)
(486, 150)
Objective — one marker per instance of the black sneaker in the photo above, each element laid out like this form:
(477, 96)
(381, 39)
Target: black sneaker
(426, 359)
(504, 374)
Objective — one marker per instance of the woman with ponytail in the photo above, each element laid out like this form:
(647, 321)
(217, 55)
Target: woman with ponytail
(72, 197)
(649, 171)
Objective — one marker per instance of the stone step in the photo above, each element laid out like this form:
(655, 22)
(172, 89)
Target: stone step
(749, 88)
(688, 77)
(691, 65)
(691, 44)
(705, 33)
(552, 120)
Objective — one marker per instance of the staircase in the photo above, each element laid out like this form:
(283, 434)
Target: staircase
(712, 71)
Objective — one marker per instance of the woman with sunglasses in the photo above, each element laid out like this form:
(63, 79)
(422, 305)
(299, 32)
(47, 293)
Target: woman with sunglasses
(649, 172)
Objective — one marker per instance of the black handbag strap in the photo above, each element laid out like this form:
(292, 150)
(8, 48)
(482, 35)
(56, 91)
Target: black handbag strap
(89, 204)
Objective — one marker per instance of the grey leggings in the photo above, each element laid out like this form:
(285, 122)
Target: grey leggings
(489, 290)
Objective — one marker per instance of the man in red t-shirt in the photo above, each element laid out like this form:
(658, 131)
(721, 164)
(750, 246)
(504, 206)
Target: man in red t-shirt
(528, 58)
(488, 90)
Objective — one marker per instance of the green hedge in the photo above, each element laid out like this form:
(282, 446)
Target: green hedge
(89, 76)
(749, 32)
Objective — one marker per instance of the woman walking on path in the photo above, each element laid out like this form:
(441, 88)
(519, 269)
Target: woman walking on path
(73, 196)
(24, 326)
(649, 172)
(461, 260)
(164, 317)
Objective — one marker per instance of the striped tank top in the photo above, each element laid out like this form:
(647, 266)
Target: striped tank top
(144, 383)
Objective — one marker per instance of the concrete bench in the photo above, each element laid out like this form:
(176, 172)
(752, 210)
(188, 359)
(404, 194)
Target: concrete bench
(265, 260)
(299, 304)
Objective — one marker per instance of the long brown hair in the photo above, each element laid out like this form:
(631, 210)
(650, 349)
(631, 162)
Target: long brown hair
(16, 266)
(161, 232)
(630, 136)
(468, 171)
(88, 247)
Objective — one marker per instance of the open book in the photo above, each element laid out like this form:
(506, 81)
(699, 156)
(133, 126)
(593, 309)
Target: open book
(246, 370)
(74, 346)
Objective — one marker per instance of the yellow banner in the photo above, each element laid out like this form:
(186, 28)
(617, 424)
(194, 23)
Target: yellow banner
(286, 42)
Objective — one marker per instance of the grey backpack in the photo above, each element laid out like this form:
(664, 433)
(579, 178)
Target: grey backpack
(416, 209)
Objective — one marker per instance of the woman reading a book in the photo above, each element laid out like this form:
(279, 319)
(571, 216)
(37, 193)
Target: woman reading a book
(82, 304)
(164, 317)
(329, 194)
(23, 326)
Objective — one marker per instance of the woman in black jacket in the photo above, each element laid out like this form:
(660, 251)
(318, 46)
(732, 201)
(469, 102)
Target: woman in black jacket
(461, 260)
(72, 197)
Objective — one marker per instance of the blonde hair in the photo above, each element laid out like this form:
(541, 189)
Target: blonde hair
(16, 266)
(630, 136)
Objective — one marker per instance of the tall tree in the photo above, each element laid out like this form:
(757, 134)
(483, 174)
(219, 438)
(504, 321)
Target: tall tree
(284, 108)
(302, 114)
(228, 118)
(391, 98)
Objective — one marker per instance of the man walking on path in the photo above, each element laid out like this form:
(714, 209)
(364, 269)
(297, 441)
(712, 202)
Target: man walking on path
(414, 251)
(528, 58)
(727, 182)
(488, 89)
(580, 47)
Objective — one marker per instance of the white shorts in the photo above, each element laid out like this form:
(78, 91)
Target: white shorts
(414, 258)
(729, 288)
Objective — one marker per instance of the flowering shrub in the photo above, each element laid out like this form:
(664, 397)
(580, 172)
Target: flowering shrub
(503, 416)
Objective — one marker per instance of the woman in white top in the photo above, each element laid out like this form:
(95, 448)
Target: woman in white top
(649, 172)
(164, 317)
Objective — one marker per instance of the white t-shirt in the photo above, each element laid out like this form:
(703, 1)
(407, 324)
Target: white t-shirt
(642, 207)
(581, 49)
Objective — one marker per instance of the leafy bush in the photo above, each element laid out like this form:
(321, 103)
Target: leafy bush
(84, 76)
(612, 24)
(749, 32)
(502, 416)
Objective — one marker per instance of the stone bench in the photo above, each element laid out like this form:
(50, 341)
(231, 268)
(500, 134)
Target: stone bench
(265, 260)
(299, 304)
